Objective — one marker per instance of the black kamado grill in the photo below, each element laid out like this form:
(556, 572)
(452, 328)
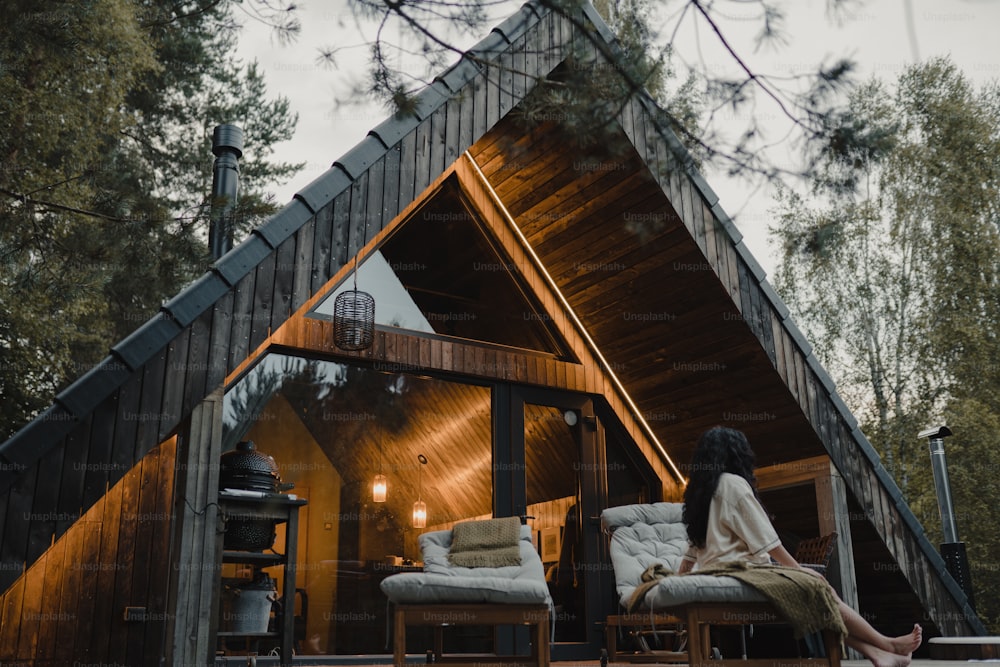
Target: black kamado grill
(246, 469)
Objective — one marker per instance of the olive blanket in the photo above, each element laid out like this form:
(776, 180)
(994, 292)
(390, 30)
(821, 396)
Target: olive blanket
(804, 600)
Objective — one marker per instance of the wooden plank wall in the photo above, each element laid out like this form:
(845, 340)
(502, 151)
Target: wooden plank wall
(790, 362)
(68, 607)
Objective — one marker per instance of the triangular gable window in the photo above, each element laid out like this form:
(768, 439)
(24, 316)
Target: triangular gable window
(440, 273)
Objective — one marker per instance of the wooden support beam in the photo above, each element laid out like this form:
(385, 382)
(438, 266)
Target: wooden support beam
(831, 503)
(832, 510)
(192, 591)
(833, 515)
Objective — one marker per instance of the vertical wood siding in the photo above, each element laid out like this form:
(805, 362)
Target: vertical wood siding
(69, 605)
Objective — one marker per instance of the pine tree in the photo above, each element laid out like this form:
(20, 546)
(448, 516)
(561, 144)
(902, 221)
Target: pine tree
(107, 110)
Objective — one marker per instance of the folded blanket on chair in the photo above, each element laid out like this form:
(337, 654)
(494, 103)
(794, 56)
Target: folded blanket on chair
(804, 600)
(487, 543)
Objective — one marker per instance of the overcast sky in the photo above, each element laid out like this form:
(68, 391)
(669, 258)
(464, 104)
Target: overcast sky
(875, 35)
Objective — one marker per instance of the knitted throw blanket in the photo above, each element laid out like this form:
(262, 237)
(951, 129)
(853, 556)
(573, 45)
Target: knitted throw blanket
(487, 543)
(804, 600)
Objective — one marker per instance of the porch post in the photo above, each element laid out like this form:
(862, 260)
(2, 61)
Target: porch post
(834, 515)
(192, 603)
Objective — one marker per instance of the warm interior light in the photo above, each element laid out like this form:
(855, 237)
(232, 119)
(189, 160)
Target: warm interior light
(420, 507)
(379, 488)
(419, 514)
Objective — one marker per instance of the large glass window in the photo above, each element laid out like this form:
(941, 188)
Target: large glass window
(331, 429)
(441, 273)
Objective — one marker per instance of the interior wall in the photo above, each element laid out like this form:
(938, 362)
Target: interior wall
(69, 606)
(280, 433)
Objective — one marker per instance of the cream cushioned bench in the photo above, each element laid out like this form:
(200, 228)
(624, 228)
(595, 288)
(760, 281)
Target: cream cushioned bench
(445, 594)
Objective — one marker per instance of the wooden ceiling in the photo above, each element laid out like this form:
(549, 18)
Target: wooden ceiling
(362, 427)
(642, 288)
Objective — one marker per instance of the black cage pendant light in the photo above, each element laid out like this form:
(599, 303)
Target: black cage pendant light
(354, 316)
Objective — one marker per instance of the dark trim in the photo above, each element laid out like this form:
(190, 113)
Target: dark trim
(364, 154)
(85, 394)
(26, 447)
(431, 98)
(147, 341)
(196, 298)
(324, 189)
(392, 130)
(241, 260)
(285, 223)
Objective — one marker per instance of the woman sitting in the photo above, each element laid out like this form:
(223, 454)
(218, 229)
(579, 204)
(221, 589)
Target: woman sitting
(726, 524)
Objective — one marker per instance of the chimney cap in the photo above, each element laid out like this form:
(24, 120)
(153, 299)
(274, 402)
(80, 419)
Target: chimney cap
(935, 432)
(227, 137)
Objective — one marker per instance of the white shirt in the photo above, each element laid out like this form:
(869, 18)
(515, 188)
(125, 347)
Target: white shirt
(738, 527)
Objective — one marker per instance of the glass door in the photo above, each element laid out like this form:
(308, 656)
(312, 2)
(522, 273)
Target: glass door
(563, 489)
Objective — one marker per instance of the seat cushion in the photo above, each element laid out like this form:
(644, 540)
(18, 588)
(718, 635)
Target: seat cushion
(648, 534)
(442, 582)
(430, 588)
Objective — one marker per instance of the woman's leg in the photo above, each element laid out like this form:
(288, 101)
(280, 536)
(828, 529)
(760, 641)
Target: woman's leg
(860, 629)
(881, 650)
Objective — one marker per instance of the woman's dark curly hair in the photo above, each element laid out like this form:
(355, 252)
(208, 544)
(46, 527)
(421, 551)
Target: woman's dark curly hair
(719, 450)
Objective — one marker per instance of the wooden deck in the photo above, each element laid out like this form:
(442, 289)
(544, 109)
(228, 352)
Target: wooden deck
(319, 660)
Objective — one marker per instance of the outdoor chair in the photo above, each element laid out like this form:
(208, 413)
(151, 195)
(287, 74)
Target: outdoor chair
(645, 535)
(815, 552)
(448, 595)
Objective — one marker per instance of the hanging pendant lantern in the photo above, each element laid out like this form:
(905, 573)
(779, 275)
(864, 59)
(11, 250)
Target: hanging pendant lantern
(379, 488)
(380, 485)
(354, 316)
(354, 320)
(420, 507)
(419, 514)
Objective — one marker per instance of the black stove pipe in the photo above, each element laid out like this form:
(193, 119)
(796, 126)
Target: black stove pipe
(952, 550)
(227, 145)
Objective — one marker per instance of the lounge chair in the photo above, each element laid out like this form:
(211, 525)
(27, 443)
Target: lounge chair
(649, 534)
(445, 594)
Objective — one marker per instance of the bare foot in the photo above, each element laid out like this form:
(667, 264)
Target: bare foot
(908, 643)
(879, 657)
(882, 658)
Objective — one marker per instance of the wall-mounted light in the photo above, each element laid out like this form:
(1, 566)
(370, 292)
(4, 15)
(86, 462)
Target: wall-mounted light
(420, 507)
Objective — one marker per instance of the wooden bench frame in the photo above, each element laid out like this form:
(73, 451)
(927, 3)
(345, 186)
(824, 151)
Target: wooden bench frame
(700, 617)
(641, 620)
(535, 616)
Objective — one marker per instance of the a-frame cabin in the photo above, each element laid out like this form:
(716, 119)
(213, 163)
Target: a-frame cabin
(555, 331)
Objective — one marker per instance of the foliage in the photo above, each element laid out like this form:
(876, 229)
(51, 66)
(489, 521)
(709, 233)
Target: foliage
(598, 80)
(900, 288)
(107, 109)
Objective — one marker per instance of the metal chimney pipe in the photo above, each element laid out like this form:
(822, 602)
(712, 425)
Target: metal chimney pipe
(939, 467)
(227, 145)
(952, 550)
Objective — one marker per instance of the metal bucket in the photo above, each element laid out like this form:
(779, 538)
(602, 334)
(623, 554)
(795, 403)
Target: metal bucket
(246, 606)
